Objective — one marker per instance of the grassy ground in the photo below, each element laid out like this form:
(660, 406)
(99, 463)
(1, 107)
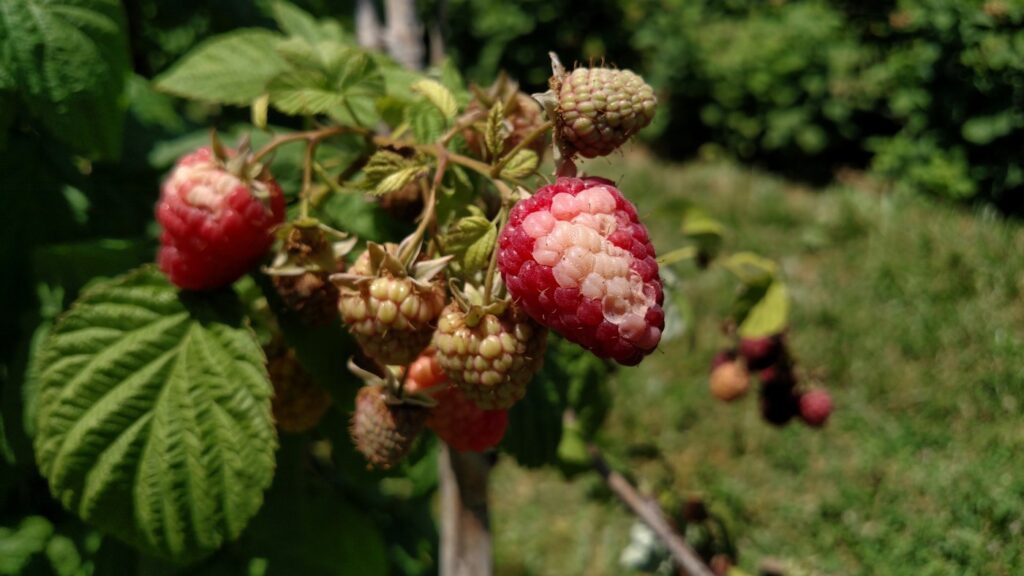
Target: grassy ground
(909, 312)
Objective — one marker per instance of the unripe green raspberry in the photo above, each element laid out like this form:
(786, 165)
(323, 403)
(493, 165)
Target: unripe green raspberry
(392, 317)
(384, 429)
(599, 109)
(493, 360)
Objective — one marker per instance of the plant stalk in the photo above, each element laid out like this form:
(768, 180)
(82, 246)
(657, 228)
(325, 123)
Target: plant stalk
(651, 514)
(465, 520)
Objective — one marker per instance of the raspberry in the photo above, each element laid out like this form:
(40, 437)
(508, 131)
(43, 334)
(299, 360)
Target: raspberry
(578, 261)
(390, 313)
(721, 357)
(299, 402)
(490, 361)
(456, 420)
(216, 224)
(761, 352)
(384, 429)
(301, 274)
(599, 109)
(779, 406)
(815, 407)
(779, 375)
(729, 381)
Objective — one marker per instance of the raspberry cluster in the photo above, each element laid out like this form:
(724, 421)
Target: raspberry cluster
(780, 397)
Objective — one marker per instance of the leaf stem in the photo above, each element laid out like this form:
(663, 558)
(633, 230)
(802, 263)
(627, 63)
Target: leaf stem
(492, 266)
(464, 161)
(462, 123)
(307, 178)
(536, 133)
(308, 136)
(428, 205)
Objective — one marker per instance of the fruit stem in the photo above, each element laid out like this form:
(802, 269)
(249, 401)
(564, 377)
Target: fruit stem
(464, 122)
(464, 161)
(428, 207)
(536, 133)
(307, 178)
(493, 265)
(308, 136)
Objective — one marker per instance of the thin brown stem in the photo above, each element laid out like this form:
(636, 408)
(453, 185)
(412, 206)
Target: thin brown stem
(461, 124)
(307, 178)
(428, 204)
(536, 133)
(464, 161)
(651, 514)
(308, 136)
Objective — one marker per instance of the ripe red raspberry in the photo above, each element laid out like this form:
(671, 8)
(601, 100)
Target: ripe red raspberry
(383, 429)
(493, 360)
(216, 224)
(779, 375)
(456, 420)
(575, 257)
(815, 407)
(762, 352)
(721, 357)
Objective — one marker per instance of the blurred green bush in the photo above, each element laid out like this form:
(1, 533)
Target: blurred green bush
(927, 93)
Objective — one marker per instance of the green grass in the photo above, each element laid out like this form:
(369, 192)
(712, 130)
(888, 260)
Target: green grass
(909, 312)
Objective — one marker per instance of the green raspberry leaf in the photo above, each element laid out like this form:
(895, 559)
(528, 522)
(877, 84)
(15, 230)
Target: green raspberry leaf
(69, 61)
(495, 131)
(397, 180)
(298, 23)
(770, 315)
(19, 545)
(154, 419)
(328, 78)
(471, 240)
(438, 95)
(232, 68)
(521, 165)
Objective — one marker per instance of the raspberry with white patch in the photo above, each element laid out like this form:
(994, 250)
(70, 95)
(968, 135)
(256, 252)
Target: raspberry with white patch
(456, 419)
(217, 225)
(576, 258)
